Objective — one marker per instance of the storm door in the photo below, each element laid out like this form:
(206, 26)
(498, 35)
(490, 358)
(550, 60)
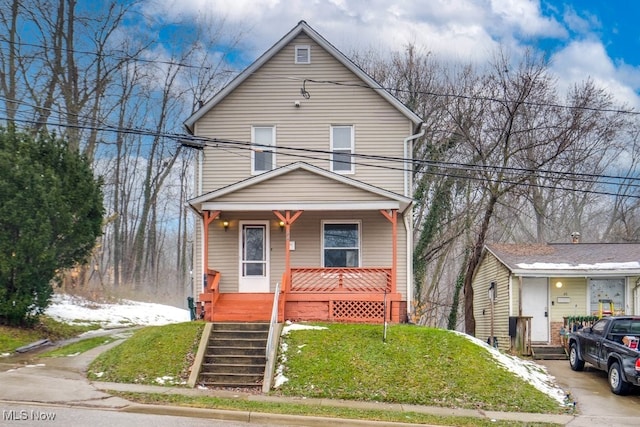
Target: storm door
(254, 256)
(535, 300)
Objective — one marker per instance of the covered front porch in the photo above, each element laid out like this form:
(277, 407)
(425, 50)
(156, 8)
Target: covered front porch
(348, 294)
(322, 246)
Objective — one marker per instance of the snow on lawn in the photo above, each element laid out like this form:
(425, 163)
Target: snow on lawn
(77, 310)
(280, 378)
(531, 372)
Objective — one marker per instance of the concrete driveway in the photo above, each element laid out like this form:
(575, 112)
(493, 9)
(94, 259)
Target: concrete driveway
(596, 404)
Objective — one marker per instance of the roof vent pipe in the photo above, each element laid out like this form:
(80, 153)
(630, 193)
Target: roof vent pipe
(575, 237)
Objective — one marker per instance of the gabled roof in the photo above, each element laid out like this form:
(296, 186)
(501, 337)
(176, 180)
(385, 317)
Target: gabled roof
(302, 27)
(394, 200)
(569, 259)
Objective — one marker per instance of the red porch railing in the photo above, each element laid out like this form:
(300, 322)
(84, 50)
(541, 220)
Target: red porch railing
(207, 299)
(356, 280)
(342, 294)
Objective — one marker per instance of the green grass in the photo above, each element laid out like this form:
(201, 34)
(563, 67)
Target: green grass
(416, 365)
(78, 347)
(12, 338)
(153, 355)
(319, 410)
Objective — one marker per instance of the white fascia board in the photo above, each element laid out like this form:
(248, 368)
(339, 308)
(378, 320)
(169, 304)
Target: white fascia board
(299, 206)
(575, 273)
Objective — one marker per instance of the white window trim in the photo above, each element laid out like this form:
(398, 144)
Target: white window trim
(302, 47)
(253, 151)
(338, 221)
(352, 167)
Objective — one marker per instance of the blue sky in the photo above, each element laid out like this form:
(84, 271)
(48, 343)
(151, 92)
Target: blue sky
(597, 39)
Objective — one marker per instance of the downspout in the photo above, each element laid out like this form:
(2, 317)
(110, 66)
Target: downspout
(635, 297)
(202, 221)
(407, 165)
(408, 219)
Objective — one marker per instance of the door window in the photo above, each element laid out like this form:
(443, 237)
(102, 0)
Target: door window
(253, 251)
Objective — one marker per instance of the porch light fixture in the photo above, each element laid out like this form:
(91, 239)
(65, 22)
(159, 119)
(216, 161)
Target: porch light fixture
(225, 224)
(558, 284)
(281, 224)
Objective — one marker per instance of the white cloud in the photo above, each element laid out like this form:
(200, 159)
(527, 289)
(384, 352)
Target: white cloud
(525, 17)
(581, 60)
(457, 30)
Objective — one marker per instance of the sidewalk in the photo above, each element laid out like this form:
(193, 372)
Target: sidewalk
(491, 415)
(63, 381)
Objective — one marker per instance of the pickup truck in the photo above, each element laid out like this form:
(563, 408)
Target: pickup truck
(610, 345)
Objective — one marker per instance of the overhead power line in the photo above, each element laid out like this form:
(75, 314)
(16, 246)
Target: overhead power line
(307, 94)
(445, 168)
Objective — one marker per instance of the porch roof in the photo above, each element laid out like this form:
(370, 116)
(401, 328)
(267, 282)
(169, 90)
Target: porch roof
(379, 198)
(569, 259)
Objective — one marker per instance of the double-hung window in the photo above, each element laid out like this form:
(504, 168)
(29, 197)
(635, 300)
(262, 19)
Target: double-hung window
(342, 149)
(341, 244)
(263, 155)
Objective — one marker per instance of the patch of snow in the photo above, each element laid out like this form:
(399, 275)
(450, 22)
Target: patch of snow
(76, 310)
(5, 354)
(567, 266)
(289, 326)
(533, 373)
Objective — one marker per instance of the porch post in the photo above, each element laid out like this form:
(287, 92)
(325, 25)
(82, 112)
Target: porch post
(207, 218)
(392, 216)
(287, 219)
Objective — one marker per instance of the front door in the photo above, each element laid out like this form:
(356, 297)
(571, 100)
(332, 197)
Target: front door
(535, 297)
(254, 256)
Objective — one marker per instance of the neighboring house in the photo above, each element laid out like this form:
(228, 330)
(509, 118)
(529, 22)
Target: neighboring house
(295, 190)
(549, 284)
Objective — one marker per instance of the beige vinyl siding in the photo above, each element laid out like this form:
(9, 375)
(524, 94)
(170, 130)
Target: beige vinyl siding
(492, 270)
(306, 233)
(300, 186)
(267, 98)
(575, 288)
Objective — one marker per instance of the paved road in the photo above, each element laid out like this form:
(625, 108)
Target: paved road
(62, 381)
(18, 414)
(596, 404)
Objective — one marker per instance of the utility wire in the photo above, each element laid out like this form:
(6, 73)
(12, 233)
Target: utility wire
(305, 92)
(311, 154)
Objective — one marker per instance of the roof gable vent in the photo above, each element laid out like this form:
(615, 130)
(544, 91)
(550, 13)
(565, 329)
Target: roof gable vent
(303, 54)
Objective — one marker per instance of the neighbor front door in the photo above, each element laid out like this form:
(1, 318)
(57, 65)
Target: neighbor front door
(535, 297)
(254, 256)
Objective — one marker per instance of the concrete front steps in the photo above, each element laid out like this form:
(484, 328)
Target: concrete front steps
(234, 355)
(548, 352)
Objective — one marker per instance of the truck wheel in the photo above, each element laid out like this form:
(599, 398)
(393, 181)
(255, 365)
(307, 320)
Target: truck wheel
(576, 363)
(616, 382)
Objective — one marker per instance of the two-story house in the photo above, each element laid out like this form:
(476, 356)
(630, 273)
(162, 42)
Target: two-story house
(304, 190)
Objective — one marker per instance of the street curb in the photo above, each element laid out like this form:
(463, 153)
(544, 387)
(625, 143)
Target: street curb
(259, 417)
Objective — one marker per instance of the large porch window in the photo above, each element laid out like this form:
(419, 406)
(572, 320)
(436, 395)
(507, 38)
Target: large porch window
(341, 244)
(607, 290)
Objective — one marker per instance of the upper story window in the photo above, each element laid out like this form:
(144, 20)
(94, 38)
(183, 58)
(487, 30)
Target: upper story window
(342, 149)
(263, 155)
(341, 244)
(303, 54)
